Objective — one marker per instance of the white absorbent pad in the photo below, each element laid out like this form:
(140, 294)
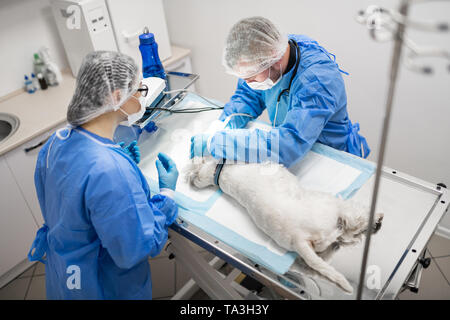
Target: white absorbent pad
(323, 168)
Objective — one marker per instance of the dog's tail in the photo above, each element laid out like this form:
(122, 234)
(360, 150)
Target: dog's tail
(317, 263)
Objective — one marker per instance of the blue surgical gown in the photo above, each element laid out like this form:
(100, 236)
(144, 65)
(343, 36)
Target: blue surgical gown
(99, 217)
(315, 110)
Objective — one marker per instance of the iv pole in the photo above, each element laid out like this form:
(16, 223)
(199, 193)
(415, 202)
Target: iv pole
(401, 19)
(404, 6)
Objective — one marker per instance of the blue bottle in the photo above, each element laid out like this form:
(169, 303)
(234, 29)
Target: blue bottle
(151, 64)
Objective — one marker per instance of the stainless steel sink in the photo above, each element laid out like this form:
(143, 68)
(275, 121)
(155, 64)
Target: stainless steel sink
(8, 126)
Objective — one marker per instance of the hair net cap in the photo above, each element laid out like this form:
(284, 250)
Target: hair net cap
(253, 45)
(106, 79)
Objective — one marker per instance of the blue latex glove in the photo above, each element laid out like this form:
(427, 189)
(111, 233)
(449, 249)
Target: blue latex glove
(167, 172)
(132, 150)
(199, 145)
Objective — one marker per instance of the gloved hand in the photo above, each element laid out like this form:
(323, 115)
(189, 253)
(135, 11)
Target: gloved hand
(132, 150)
(199, 145)
(167, 172)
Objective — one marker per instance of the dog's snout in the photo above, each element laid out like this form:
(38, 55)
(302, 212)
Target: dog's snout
(377, 226)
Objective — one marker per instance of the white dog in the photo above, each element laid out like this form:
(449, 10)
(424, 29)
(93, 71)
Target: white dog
(307, 222)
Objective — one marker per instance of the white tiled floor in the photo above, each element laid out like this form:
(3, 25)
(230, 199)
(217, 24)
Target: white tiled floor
(168, 277)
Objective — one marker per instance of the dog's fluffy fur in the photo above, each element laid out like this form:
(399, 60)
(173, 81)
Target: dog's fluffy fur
(307, 222)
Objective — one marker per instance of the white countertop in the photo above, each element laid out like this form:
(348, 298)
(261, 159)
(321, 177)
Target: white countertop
(45, 109)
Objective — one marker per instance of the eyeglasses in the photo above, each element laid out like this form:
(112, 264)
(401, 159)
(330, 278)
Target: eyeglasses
(143, 90)
(253, 78)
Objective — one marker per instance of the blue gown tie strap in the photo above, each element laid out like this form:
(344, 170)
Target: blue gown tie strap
(39, 246)
(357, 144)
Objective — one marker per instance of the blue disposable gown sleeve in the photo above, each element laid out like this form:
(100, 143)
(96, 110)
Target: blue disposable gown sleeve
(244, 100)
(317, 93)
(130, 225)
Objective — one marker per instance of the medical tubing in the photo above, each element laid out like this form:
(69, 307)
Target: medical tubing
(288, 89)
(276, 113)
(188, 110)
(198, 110)
(218, 171)
(195, 93)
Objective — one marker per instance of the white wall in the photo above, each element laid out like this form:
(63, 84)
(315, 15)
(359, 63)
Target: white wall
(419, 140)
(25, 26)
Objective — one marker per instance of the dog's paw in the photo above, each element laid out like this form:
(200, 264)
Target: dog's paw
(378, 221)
(345, 285)
(191, 170)
(200, 172)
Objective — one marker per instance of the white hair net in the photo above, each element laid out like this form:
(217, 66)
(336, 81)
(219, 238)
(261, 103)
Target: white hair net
(101, 74)
(253, 45)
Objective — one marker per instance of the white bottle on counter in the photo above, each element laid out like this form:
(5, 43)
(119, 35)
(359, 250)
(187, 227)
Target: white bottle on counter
(35, 81)
(28, 84)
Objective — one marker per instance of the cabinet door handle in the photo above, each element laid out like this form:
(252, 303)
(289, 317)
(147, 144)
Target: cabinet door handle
(36, 145)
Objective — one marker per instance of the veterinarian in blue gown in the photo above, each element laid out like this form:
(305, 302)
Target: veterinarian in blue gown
(101, 222)
(300, 85)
